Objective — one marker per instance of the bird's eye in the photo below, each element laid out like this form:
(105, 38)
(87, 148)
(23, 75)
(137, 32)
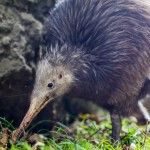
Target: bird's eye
(60, 76)
(51, 85)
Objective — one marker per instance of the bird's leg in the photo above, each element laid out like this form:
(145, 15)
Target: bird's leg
(116, 125)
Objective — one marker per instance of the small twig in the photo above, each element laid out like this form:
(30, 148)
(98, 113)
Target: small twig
(68, 130)
(145, 133)
(67, 137)
(94, 133)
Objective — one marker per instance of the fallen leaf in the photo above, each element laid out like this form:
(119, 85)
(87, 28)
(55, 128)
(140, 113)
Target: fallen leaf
(34, 138)
(2, 148)
(127, 148)
(5, 137)
(95, 117)
(37, 145)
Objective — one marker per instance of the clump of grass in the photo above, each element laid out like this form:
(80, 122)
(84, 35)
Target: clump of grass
(88, 135)
(6, 124)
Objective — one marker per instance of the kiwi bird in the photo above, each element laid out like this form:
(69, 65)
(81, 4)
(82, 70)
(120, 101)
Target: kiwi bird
(97, 50)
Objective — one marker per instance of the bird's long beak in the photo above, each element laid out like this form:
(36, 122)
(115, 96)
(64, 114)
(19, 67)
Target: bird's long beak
(35, 107)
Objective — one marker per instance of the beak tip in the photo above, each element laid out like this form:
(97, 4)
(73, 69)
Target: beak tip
(34, 109)
(14, 136)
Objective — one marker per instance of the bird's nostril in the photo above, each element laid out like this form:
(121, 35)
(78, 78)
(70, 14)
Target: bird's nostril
(60, 76)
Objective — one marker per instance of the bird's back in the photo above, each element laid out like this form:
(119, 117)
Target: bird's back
(115, 31)
(99, 25)
(115, 34)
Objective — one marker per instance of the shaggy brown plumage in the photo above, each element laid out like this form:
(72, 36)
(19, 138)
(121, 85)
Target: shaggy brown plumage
(97, 50)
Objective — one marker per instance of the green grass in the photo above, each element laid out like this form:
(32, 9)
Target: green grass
(88, 135)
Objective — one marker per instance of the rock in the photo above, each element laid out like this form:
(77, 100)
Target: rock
(19, 34)
(38, 8)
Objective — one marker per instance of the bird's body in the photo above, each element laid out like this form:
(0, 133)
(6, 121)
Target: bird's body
(98, 50)
(108, 44)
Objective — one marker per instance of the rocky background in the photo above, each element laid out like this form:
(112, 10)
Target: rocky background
(21, 23)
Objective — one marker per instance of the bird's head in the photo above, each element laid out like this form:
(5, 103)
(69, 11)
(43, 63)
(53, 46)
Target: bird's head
(52, 81)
